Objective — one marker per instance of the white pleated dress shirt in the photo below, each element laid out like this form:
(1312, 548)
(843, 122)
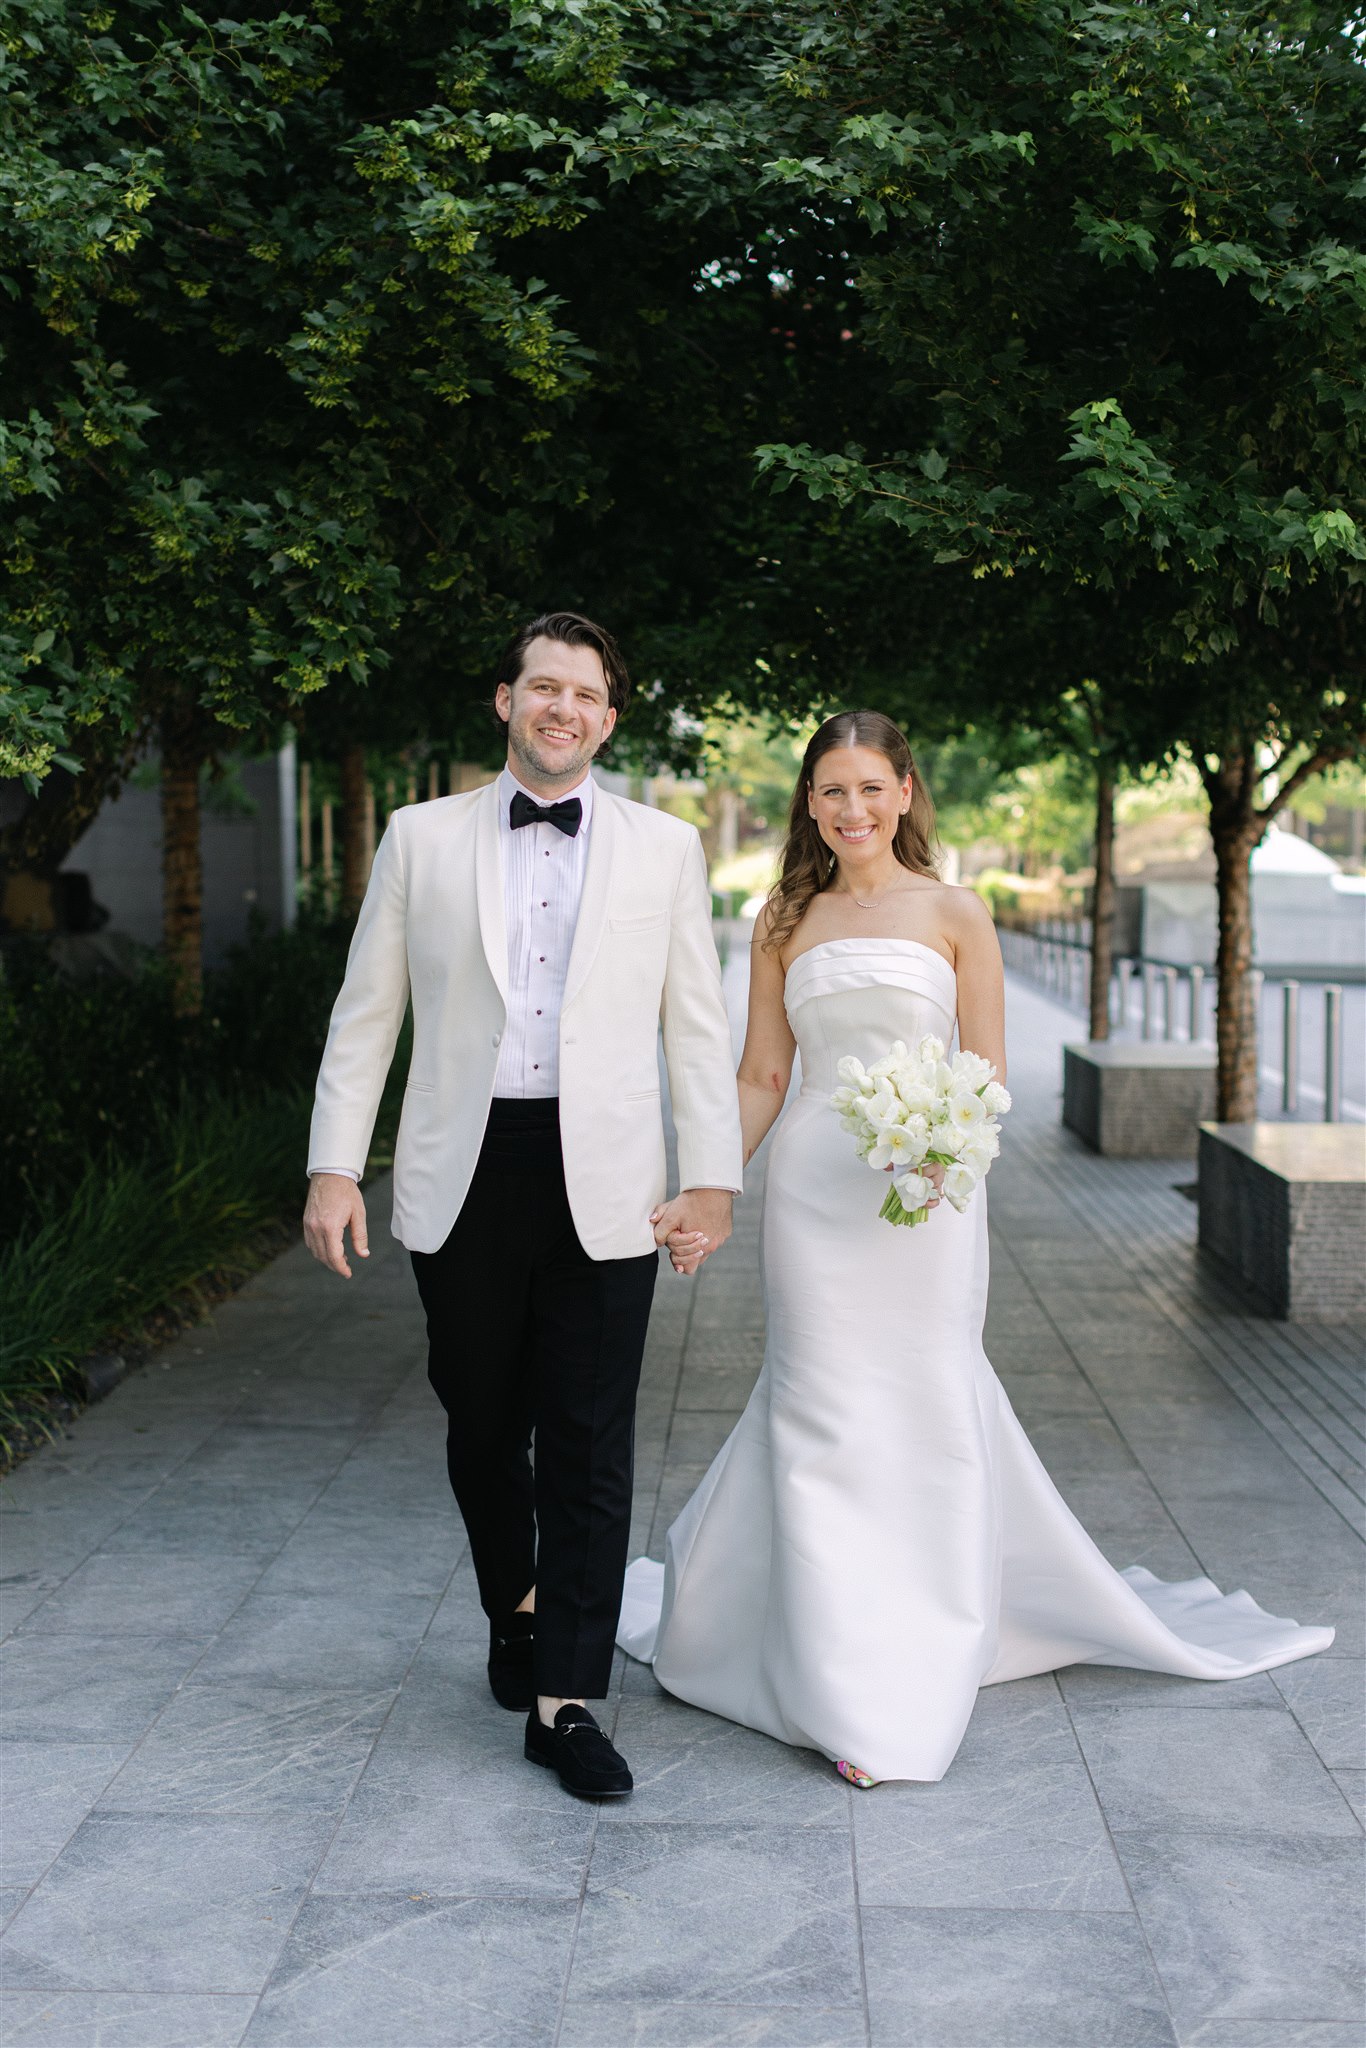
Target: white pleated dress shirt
(543, 870)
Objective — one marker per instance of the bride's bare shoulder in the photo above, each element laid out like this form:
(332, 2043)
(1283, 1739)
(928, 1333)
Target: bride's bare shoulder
(967, 921)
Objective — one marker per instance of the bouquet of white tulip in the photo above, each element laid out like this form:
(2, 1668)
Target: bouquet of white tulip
(911, 1109)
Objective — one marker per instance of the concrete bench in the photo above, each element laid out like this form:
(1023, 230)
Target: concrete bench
(1283, 1212)
(1141, 1099)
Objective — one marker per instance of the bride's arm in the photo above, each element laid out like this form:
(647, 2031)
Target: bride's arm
(766, 1062)
(981, 981)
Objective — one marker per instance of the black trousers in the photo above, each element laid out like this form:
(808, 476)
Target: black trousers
(530, 1338)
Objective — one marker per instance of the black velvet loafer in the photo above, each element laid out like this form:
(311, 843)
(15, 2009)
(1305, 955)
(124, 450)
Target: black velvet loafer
(510, 1679)
(580, 1753)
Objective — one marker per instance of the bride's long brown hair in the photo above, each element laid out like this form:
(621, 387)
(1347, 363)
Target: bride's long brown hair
(808, 863)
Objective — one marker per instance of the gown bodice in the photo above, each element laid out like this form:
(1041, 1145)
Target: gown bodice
(858, 996)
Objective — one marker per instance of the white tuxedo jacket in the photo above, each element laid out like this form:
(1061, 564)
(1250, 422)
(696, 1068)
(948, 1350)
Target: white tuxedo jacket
(432, 925)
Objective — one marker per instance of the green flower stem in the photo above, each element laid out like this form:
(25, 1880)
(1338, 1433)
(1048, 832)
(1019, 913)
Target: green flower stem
(894, 1210)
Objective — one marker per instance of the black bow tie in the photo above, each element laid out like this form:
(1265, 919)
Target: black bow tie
(566, 816)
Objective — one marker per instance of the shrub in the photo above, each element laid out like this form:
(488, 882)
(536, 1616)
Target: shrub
(142, 1152)
(88, 1068)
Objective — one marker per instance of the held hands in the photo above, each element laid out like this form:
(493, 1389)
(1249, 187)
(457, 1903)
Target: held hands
(334, 1206)
(693, 1225)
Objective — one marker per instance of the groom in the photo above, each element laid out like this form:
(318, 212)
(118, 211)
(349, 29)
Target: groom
(544, 929)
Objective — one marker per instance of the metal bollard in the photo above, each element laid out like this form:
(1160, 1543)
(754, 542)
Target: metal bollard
(1290, 1047)
(1197, 1005)
(1169, 1005)
(1124, 974)
(1332, 1054)
(1147, 1027)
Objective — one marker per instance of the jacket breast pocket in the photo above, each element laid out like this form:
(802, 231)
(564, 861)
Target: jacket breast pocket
(627, 925)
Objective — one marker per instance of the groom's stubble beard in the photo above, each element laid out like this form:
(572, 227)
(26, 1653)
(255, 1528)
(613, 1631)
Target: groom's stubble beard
(560, 768)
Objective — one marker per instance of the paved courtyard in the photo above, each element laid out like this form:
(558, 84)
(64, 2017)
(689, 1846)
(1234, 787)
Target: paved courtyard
(257, 1792)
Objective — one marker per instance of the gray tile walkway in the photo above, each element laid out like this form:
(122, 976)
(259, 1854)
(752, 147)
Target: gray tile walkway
(257, 1792)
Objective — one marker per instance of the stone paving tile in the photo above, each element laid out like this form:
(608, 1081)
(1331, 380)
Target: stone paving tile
(1159, 1767)
(287, 1638)
(122, 2019)
(690, 1766)
(187, 1518)
(1036, 1394)
(605, 2023)
(90, 1688)
(345, 1554)
(250, 1748)
(262, 1453)
(1098, 1685)
(1327, 1696)
(957, 1978)
(405, 1972)
(148, 1595)
(46, 1790)
(165, 1903)
(20, 1594)
(1352, 1785)
(1015, 1823)
(449, 1804)
(717, 1388)
(696, 1437)
(1250, 1926)
(732, 1916)
(1271, 2034)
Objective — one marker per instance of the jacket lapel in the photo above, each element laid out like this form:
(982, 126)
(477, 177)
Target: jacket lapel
(597, 877)
(488, 883)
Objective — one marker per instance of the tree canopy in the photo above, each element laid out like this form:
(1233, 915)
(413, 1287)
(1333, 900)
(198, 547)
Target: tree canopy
(335, 338)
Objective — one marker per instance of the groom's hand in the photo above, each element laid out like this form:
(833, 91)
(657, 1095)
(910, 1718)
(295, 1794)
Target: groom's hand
(693, 1225)
(334, 1206)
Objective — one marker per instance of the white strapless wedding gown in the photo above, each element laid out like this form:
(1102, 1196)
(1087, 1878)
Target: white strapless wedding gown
(877, 1538)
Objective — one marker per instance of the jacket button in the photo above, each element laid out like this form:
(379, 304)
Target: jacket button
(497, 1037)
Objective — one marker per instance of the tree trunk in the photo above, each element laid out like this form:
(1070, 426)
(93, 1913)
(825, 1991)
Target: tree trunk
(1235, 827)
(182, 865)
(43, 829)
(1103, 904)
(353, 828)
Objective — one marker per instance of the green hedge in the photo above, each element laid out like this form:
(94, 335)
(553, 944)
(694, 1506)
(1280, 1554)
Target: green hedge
(143, 1152)
(90, 1067)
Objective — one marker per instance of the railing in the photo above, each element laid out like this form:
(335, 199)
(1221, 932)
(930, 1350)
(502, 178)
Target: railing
(1159, 999)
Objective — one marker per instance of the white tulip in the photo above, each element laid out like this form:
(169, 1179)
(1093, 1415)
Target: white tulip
(897, 1146)
(907, 1107)
(917, 1094)
(886, 1106)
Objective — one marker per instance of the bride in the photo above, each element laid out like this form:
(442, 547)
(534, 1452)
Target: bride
(877, 1538)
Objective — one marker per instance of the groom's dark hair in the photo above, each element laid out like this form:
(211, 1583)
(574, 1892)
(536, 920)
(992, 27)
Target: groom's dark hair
(573, 630)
